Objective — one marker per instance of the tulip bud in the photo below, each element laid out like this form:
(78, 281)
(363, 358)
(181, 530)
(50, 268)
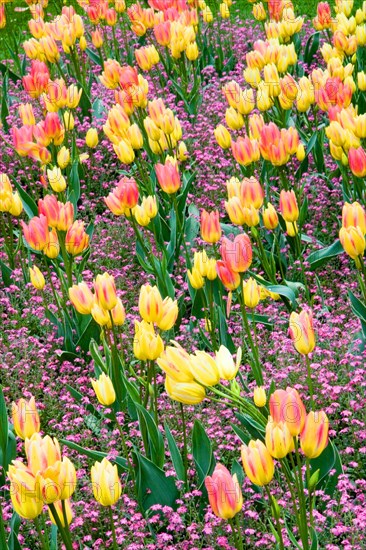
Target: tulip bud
(257, 462)
(106, 484)
(224, 493)
(188, 393)
(104, 390)
(91, 138)
(279, 441)
(105, 291)
(259, 396)
(314, 436)
(37, 278)
(251, 293)
(25, 418)
(302, 332)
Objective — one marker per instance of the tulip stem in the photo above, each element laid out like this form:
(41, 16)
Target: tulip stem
(289, 482)
(63, 533)
(116, 372)
(310, 382)
(3, 543)
(276, 517)
(256, 368)
(155, 399)
(115, 546)
(238, 542)
(304, 529)
(42, 538)
(185, 449)
(124, 445)
(310, 493)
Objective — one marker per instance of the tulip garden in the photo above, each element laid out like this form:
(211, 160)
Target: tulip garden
(182, 275)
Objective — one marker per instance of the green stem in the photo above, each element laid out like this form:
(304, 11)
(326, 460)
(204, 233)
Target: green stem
(64, 513)
(61, 529)
(42, 538)
(3, 543)
(310, 382)
(304, 530)
(116, 371)
(293, 496)
(276, 517)
(256, 368)
(155, 394)
(240, 538)
(238, 543)
(185, 447)
(310, 493)
(115, 547)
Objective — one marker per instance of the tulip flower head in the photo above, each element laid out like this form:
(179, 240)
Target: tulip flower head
(107, 487)
(257, 462)
(224, 493)
(25, 418)
(314, 436)
(302, 332)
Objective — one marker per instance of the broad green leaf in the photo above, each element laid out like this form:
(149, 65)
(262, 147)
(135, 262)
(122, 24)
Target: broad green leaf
(175, 454)
(153, 486)
(358, 308)
(94, 455)
(156, 441)
(4, 424)
(320, 257)
(29, 205)
(13, 542)
(202, 453)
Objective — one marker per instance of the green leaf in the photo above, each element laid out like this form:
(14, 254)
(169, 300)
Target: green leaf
(314, 539)
(98, 109)
(94, 455)
(93, 56)
(91, 332)
(153, 486)
(80, 398)
(29, 205)
(53, 541)
(6, 274)
(358, 308)
(4, 103)
(202, 453)
(85, 103)
(4, 69)
(244, 438)
(156, 441)
(175, 454)
(311, 47)
(13, 542)
(327, 461)
(225, 337)
(237, 469)
(320, 257)
(74, 189)
(255, 430)
(4, 424)
(99, 360)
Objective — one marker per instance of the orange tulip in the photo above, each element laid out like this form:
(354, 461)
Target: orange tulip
(287, 406)
(76, 240)
(314, 436)
(288, 206)
(357, 161)
(224, 493)
(168, 176)
(237, 254)
(230, 279)
(210, 226)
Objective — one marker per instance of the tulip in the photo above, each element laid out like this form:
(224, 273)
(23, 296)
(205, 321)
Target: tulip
(288, 206)
(36, 233)
(270, 218)
(314, 436)
(357, 161)
(204, 369)
(168, 176)
(353, 241)
(225, 363)
(195, 278)
(118, 314)
(25, 418)
(257, 462)
(150, 304)
(224, 493)
(210, 226)
(237, 254)
(287, 406)
(104, 390)
(147, 345)
(63, 157)
(41, 452)
(106, 484)
(81, 298)
(56, 180)
(105, 291)
(124, 151)
(49, 207)
(302, 332)
(23, 492)
(101, 315)
(188, 393)
(222, 136)
(91, 138)
(279, 441)
(251, 293)
(175, 362)
(259, 396)
(65, 216)
(251, 193)
(169, 315)
(354, 215)
(230, 279)
(76, 240)
(37, 278)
